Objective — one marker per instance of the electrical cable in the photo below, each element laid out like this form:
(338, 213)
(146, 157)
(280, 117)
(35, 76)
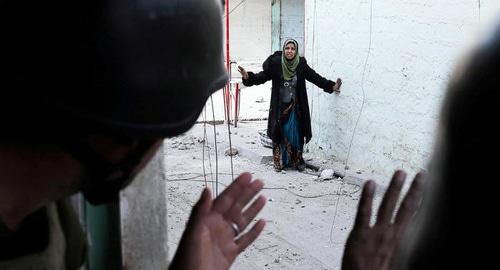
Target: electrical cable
(205, 138)
(313, 50)
(230, 147)
(241, 2)
(210, 166)
(479, 9)
(216, 154)
(359, 116)
(195, 178)
(204, 142)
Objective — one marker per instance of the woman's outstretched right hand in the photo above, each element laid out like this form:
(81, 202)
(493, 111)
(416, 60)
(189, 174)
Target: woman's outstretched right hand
(243, 72)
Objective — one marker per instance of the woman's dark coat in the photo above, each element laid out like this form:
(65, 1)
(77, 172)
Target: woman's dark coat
(272, 71)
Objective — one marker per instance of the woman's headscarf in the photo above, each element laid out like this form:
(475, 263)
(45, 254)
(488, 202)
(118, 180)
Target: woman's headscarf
(289, 66)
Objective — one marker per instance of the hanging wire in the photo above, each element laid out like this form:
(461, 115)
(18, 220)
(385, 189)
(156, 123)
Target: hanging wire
(237, 6)
(230, 149)
(229, 135)
(357, 121)
(205, 139)
(479, 9)
(314, 62)
(211, 171)
(216, 154)
(204, 142)
(195, 178)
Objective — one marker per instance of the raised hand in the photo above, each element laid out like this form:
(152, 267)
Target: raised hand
(243, 72)
(214, 234)
(373, 247)
(336, 87)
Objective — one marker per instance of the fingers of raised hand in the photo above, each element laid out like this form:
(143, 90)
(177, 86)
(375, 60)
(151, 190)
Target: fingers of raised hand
(391, 196)
(229, 196)
(246, 239)
(204, 203)
(251, 212)
(365, 206)
(410, 203)
(235, 213)
(231, 204)
(242, 215)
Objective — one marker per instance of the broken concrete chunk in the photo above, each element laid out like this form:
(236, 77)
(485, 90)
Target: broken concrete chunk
(231, 152)
(260, 100)
(327, 174)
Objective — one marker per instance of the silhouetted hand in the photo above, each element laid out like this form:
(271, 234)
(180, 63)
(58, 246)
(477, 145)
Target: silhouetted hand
(373, 247)
(243, 72)
(336, 87)
(210, 241)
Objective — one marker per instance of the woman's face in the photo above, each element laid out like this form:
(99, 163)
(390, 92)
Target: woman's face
(290, 51)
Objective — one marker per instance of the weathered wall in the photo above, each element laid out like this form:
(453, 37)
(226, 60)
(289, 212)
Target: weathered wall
(250, 30)
(250, 45)
(398, 83)
(292, 15)
(144, 219)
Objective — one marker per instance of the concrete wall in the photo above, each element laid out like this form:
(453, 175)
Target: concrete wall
(144, 219)
(292, 15)
(250, 30)
(250, 45)
(397, 77)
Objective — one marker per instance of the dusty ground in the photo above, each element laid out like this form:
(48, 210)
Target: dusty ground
(302, 231)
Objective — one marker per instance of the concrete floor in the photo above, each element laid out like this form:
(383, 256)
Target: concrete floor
(308, 219)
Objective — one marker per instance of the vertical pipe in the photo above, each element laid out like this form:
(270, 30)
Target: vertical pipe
(224, 100)
(236, 104)
(103, 231)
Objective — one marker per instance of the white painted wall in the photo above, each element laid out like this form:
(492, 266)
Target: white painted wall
(414, 46)
(292, 14)
(250, 45)
(143, 209)
(250, 30)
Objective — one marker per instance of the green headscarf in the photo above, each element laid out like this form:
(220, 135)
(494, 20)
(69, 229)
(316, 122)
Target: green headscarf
(289, 66)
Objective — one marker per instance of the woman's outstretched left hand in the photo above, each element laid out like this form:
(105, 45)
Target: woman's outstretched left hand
(214, 233)
(336, 87)
(243, 72)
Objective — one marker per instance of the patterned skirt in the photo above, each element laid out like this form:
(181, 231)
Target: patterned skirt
(287, 152)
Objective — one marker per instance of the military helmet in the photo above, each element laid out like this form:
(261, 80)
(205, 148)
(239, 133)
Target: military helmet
(141, 68)
(137, 69)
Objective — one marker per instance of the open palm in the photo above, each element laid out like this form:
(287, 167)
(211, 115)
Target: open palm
(210, 241)
(374, 247)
